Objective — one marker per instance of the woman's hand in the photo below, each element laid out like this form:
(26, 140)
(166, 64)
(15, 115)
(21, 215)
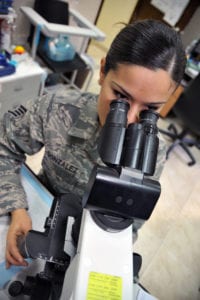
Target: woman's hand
(20, 225)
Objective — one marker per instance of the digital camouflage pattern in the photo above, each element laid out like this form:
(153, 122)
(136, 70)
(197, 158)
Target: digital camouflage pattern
(66, 124)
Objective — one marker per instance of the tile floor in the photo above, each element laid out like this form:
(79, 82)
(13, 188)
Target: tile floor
(169, 241)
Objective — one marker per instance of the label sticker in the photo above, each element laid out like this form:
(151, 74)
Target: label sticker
(104, 286)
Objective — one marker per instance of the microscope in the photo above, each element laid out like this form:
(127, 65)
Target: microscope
(119, 192)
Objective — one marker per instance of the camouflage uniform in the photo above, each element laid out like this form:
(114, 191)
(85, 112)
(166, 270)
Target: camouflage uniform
(67, 126)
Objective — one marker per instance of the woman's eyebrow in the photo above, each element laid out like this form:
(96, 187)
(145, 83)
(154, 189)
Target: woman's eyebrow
(122, 90)
(155, 103)
(131, 97)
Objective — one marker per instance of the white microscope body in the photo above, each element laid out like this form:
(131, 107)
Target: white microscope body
(101, 266)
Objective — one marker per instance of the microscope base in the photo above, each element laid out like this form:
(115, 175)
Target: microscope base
(103, 266)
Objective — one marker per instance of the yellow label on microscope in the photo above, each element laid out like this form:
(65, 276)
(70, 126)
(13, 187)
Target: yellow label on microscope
(104, 287)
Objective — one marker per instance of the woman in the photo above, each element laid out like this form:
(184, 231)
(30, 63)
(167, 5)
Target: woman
(144, 66)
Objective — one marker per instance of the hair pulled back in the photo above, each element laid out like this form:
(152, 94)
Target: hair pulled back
(151, 44)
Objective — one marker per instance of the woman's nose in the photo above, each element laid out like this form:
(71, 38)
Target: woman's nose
(133, 114)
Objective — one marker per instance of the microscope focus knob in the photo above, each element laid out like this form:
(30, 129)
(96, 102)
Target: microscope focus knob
(15, 288)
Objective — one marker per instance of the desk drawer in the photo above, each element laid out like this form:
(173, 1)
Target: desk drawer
(19, 91)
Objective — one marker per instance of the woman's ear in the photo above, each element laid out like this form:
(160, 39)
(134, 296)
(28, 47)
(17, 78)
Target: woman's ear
(102, 71)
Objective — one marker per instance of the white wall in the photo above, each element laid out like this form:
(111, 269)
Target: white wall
(192, 30)
(22, 24)
(112, 13)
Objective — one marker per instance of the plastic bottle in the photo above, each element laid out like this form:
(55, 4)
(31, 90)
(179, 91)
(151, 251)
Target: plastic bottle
(60, 48)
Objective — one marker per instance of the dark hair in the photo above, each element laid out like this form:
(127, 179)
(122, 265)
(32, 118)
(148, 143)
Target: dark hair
(151, 44)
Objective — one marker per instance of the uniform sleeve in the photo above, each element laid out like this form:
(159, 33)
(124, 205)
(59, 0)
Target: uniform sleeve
(21, 132)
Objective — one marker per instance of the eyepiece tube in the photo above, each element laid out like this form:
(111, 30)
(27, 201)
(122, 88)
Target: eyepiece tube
(133, 146)
(150, 154)
(113, 132)
(148, 119)
(141, 144)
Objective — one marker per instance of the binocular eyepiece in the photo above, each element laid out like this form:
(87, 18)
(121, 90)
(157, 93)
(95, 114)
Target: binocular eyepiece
(135, 146)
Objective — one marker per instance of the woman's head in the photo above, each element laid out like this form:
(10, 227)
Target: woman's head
(150, 44)
(144, 65)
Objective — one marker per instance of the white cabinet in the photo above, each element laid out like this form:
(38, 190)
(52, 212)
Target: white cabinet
(25, 84)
